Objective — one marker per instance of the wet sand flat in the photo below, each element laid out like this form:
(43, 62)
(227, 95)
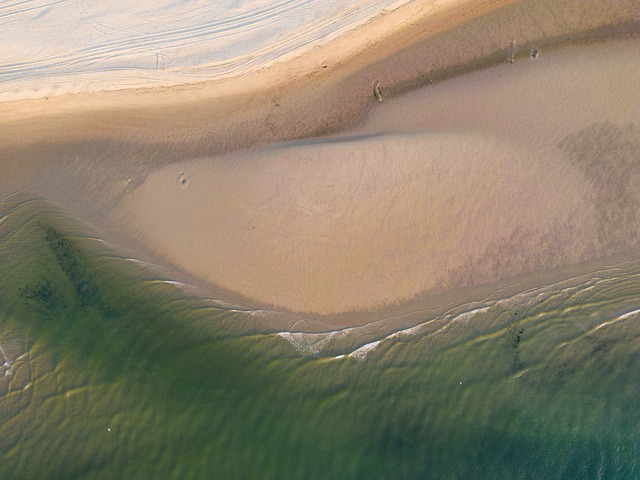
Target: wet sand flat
(379, 217)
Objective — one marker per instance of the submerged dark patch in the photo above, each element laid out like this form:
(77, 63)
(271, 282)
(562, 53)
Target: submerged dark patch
(71, 264)
(609, 156)
(44, 294)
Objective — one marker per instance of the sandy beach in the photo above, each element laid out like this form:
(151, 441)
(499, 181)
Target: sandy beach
(150, 44)
(324, 90)
(292, 187)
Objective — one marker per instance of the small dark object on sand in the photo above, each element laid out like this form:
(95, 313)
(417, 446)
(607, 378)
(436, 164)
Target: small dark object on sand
(377, 91)
(513, 50)
(183, 180)
(534, 53)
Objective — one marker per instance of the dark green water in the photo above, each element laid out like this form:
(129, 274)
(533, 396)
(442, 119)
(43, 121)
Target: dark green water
(112, 373)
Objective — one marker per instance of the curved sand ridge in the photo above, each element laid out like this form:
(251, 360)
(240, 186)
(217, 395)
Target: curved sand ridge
(356, 223)
(361, 222)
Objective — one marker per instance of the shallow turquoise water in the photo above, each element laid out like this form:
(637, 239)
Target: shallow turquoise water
(114, 373)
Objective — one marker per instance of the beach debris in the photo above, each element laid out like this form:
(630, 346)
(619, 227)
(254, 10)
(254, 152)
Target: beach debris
(7, 364)
(534, 53)
(513, 50)
(377, 90)
(183, 180)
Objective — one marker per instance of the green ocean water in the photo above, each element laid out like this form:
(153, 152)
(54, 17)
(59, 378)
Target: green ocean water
(111, 372)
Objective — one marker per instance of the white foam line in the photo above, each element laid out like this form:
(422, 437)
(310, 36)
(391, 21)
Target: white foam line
(466, 316)
(617, 319)
(314, 343)
(6, 359)
(362, 352)
(21, 357)
(103, 241)
(462, 317)
(257, 313)
(175, 283)
(308, 343)
(546, 291)
(184, 287)
(629, 314)
(411, 331)
(137, 261)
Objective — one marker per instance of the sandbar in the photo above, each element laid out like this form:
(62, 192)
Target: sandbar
(302, 193)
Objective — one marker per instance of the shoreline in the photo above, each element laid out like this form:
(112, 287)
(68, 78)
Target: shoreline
(132, 224)
(121, 194)
(358, 327)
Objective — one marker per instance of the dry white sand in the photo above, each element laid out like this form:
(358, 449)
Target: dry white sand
(226, 104)
(52, 48)
(325, 89)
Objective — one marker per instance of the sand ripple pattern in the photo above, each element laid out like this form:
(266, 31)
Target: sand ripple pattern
(60, 46)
